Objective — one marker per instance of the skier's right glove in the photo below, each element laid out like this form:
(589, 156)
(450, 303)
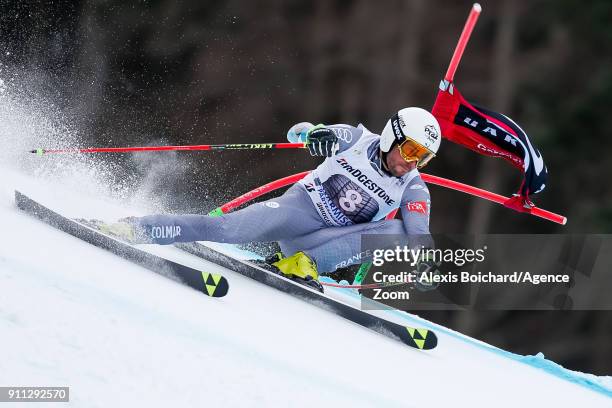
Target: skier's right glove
(322, 141)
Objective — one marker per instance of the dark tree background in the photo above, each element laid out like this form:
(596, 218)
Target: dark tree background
(195, 72)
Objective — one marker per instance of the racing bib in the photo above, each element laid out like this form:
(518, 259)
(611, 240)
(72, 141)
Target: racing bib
(346, 189)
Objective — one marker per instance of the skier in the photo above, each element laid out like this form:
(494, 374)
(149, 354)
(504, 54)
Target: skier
(319, 221)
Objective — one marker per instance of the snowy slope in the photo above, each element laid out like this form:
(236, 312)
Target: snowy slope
(119, 335)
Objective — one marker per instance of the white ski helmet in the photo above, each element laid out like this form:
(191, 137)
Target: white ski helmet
(416, 132)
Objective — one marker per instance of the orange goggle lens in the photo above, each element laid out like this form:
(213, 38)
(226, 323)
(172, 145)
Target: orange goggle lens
(413, 151)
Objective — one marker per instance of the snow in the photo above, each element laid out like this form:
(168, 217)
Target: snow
(119, 335)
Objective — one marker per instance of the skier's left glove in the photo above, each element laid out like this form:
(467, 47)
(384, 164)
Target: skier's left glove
(322, 141)
(426, 271)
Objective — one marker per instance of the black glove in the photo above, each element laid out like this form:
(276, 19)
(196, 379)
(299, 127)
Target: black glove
(322, 141)
(425, 270)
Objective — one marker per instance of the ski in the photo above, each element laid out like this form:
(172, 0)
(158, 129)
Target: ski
(419, 338)
(210, 284)
(216, 285)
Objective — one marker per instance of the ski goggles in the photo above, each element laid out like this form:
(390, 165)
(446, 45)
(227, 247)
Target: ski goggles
(411, 151)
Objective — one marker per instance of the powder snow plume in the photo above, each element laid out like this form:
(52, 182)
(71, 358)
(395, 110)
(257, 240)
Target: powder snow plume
(31, 120)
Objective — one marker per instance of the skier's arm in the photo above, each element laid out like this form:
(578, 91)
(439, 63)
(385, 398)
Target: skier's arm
(346, 135)
(415, 208)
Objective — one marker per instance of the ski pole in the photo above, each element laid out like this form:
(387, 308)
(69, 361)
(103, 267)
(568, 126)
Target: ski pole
(463, 40)
(234, 146)
(364, 286)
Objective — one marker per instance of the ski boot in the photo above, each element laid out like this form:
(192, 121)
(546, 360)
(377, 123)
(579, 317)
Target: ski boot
(297, 267)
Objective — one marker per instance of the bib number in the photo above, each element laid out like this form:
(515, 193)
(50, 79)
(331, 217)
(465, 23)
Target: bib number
(350, 201)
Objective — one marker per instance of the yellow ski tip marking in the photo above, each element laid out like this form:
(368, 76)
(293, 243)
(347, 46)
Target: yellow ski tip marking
(216, 278)
(210, 289)
(211, 282)
(418, 336)
(423, 332)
